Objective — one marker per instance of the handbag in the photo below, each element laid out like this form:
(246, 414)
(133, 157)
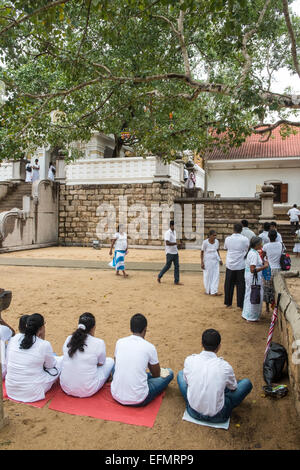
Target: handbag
(285, 260)
(255, 290)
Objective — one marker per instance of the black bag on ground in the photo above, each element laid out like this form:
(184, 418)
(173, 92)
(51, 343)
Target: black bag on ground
(274, 363)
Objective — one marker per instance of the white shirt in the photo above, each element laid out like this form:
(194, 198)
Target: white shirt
(132, 356)
(273, 251)
(170, 236)
(121, 243)
(237, 246)
(25, 378)
(294, 213)
(80, 376)
(210, 250)
(246, 232)
(5, 335)
(207, 376)
(51, 175)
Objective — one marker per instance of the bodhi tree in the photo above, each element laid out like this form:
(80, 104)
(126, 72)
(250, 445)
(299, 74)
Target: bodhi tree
(165, 75)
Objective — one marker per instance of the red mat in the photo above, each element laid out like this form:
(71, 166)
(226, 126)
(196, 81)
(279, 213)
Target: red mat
(36, 404)
(103, 406)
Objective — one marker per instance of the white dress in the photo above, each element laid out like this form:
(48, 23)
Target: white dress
(252, 312)
(35, 172)
(28, 173)
(211, 273)
(80, 375)
(296, 248)
(26, 380)
(5, 335)
(51, 175)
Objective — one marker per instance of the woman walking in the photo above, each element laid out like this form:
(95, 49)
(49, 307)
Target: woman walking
(121, 249)
(254, 267)
(296, 248)
(210, 263)
(85, 367)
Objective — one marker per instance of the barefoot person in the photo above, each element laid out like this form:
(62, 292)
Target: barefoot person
(208, 383)
(85, 367)
(272, 252)
(237, 246)
(171, 248)
(6, 333)
(119, 241)
(32, 367)
(254, 266)
(131, 384)
(210, 263)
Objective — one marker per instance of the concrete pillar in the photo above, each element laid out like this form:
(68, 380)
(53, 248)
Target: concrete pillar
(60, 165)
(18, 170)
(267, 208)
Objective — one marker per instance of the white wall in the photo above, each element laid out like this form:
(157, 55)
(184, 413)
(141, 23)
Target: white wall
(242, 183)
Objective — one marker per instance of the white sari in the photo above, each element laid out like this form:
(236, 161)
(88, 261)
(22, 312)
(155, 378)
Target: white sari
(252, 312)
(211, 272)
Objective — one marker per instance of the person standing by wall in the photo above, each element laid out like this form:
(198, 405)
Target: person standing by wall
(237, 246)
(210, 263)
(246, 230)
(35, 171)
(28, 172)
(51, 172)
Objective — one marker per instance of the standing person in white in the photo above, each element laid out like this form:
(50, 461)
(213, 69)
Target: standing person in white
(296, 248)
(210, 263)
(293, 214)
(237, 246)
(28, 172)
(254, 265)
(51, 172)
(246, 232)
(32, 367)
(131, 384)
(264, 235)
(273, 226)
(6, 332)
(35, 171)
(119, 241)
(272, 251)
(171, 248)
(208, 383)
(85, 367)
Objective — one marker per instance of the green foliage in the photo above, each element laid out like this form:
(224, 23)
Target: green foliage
(91, 60)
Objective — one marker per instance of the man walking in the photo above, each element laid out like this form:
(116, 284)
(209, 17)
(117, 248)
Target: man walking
(237, 246)
(171, 247)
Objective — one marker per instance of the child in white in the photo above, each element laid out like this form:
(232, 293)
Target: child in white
(86, 370)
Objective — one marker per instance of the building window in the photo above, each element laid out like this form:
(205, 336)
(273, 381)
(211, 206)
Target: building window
(281, 192)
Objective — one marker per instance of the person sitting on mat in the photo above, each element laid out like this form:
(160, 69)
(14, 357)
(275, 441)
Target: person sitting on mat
(131, 384)
(208, 383)
(85, 367)
(32, 367)
(6, 332)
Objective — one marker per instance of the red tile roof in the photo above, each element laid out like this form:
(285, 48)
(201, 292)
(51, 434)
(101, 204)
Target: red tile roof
(253, 147)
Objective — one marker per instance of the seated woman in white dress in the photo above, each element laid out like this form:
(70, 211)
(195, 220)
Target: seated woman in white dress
(85, 367)
(6, 332)
(32, 367)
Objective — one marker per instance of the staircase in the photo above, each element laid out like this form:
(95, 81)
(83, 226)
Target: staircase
(14, 196)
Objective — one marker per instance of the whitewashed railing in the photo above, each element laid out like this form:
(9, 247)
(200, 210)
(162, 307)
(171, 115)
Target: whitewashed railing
(122, 170)
(6, 171)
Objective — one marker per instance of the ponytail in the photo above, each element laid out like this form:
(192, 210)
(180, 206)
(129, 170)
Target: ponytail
(33, 324)
(77, 341)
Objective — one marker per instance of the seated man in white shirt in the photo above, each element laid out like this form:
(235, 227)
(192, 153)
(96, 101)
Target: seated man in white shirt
(208, 383)
(131, 384)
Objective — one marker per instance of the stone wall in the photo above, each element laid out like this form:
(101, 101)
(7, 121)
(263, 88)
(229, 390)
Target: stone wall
(288, 325)
(79, 213)
(221, 214)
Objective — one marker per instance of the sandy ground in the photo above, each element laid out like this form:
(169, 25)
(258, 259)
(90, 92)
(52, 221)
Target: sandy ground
(176, 318)
(293, 284)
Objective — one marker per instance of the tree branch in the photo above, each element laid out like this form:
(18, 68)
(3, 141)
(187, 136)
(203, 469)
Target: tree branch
(292, 36)
(85, 29)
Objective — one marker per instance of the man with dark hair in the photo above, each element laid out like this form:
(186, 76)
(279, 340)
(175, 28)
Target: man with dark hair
(172, 256)
(273, 226)
(131, 385)
(208, 383)
(293, 214)
(237, 246)
(246, 230)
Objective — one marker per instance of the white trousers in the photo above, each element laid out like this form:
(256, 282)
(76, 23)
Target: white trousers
(211, 275)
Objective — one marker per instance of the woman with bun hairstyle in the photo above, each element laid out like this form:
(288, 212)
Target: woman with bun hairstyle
(85, 367)
(32, 367)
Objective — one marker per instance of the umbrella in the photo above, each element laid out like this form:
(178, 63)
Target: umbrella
(272, 325)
